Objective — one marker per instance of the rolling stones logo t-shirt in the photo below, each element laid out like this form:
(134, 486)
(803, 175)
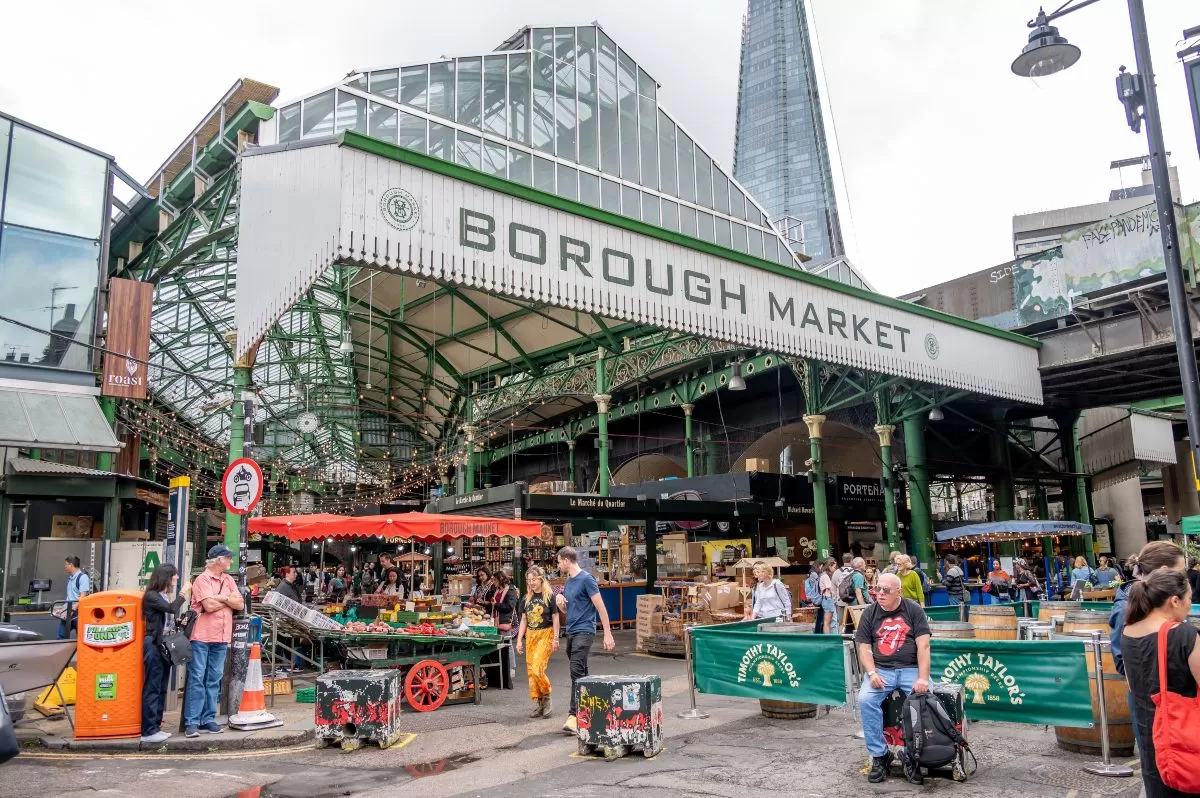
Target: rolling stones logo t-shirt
(893, 635)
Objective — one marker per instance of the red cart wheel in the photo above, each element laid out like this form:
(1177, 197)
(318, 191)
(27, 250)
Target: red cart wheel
(426, 685)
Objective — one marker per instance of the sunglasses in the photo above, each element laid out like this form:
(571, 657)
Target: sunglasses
(886, 590)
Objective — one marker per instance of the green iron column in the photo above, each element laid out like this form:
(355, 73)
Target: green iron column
(603, 400)
(1002, 486)
(1043, 511)
(711, 455)
(237, 429)
(571, 463)
(108, 406)
(918, 490)
(1070, 438)
(469, 432)
(885, 431)
(689, 450)
(820, 510)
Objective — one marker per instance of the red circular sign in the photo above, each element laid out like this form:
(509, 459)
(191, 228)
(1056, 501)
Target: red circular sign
(242, 486)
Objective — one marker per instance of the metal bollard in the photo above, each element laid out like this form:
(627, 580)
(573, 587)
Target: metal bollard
(1025, 601)
(693, 713)
(962, 612)
(1105, 768)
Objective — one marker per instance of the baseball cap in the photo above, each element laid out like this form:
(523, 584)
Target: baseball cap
(219, 550)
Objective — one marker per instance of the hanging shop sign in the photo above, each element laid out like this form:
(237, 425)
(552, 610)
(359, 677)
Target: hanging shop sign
(127, 344)
(858, 490)
(367, 203)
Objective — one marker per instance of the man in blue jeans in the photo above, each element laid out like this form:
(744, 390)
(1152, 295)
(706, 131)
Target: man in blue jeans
(582, 602)
(215, 597)
(78, 586)
(893, 647)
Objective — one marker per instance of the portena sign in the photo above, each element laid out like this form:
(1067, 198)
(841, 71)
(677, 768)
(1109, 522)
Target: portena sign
(410, 214)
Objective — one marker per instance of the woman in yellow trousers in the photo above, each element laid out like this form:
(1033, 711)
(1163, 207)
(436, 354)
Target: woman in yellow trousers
(539, 632)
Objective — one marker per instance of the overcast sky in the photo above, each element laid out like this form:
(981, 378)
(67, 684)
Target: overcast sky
(940, 143)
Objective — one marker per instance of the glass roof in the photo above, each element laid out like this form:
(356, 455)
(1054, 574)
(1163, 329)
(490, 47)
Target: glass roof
(564, 110)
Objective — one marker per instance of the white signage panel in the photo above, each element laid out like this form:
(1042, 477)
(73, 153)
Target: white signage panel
(417, 221)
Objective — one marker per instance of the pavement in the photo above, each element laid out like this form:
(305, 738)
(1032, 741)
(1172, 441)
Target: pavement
(493, 749)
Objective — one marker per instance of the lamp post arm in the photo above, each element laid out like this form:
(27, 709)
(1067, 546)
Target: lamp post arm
(1061, 11)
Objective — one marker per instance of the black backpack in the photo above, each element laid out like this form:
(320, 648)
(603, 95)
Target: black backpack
(930, 739)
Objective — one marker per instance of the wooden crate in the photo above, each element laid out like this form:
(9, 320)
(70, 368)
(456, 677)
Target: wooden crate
(279, 685)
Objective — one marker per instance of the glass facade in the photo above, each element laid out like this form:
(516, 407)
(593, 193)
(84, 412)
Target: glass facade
(52, 211)
(780, 154)
(564, 110)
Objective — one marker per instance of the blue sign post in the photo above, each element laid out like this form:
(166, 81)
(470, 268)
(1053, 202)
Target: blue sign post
(177, 524)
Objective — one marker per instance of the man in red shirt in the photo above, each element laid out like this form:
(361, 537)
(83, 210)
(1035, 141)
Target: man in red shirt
(215, 598)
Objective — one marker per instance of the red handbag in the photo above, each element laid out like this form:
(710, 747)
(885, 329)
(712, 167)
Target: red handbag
(1176, 718)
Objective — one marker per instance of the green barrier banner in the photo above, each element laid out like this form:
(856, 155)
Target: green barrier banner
(945, 613)
(738, 660)
(1017, 681)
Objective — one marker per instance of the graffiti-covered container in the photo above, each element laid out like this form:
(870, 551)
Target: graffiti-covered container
(358, 706)
(619, 715)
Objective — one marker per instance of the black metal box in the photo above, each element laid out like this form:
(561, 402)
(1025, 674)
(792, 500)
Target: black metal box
(358, 705)
(619, 714)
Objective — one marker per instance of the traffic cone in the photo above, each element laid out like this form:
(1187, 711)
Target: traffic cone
(252, 712)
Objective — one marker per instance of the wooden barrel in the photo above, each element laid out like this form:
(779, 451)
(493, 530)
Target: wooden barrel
(993, 622)
(1116, 704)
(787, 710)
(1086, 621)
(1048, 609)
(787, 628)
(955, 629)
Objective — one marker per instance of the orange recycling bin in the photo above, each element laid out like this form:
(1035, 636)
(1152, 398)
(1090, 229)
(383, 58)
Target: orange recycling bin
(108, 699)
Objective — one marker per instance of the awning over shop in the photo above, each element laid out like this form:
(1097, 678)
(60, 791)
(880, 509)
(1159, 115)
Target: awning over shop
(391, 528)
(38, 418)
(995, 531)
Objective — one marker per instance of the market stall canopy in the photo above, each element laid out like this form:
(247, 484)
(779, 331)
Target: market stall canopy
(397, 527)
(1011, 530)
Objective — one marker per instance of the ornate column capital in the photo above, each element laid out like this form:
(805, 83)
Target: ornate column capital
(603, 401)
(688, 407)
(884, 431)
(814, 425)
(469, 432)
(571, 445)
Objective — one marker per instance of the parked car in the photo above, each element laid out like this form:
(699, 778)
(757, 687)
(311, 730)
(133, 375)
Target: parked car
(11, 633)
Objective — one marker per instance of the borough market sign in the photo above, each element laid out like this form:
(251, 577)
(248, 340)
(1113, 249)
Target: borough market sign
(364, 202)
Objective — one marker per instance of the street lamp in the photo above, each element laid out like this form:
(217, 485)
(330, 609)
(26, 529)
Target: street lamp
(1047, 53)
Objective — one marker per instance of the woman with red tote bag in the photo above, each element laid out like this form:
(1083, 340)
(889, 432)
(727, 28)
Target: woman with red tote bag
(1162, 664)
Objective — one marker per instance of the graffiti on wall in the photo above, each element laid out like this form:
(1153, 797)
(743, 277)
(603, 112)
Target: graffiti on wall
(1109, 253)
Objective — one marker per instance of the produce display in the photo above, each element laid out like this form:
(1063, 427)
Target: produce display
(475, 616)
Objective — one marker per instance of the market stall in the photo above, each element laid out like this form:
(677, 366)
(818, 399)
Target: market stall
(1025, 535)
(438, 646)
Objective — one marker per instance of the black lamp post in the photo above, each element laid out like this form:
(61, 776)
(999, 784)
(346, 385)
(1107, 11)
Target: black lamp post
(1047, 53)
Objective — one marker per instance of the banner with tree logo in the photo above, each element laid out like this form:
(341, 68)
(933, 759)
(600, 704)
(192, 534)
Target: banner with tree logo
(738, 660)
(1037, 681)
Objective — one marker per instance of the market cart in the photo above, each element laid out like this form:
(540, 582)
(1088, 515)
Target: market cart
(435, 669)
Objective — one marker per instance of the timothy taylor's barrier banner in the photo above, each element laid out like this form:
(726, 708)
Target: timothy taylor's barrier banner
(1035, 681)
(737, 660)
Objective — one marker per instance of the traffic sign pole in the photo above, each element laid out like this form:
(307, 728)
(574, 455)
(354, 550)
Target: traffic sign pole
(241, 489)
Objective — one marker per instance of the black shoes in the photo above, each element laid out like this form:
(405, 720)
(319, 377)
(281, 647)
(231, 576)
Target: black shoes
(879, 768)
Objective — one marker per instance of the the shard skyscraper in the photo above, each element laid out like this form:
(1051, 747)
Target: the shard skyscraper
(780, 153)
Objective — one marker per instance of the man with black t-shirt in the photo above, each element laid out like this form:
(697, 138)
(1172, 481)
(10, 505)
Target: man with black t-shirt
(893, 647)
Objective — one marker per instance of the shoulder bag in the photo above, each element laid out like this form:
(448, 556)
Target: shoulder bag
(176, 644)
(1176, 717)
